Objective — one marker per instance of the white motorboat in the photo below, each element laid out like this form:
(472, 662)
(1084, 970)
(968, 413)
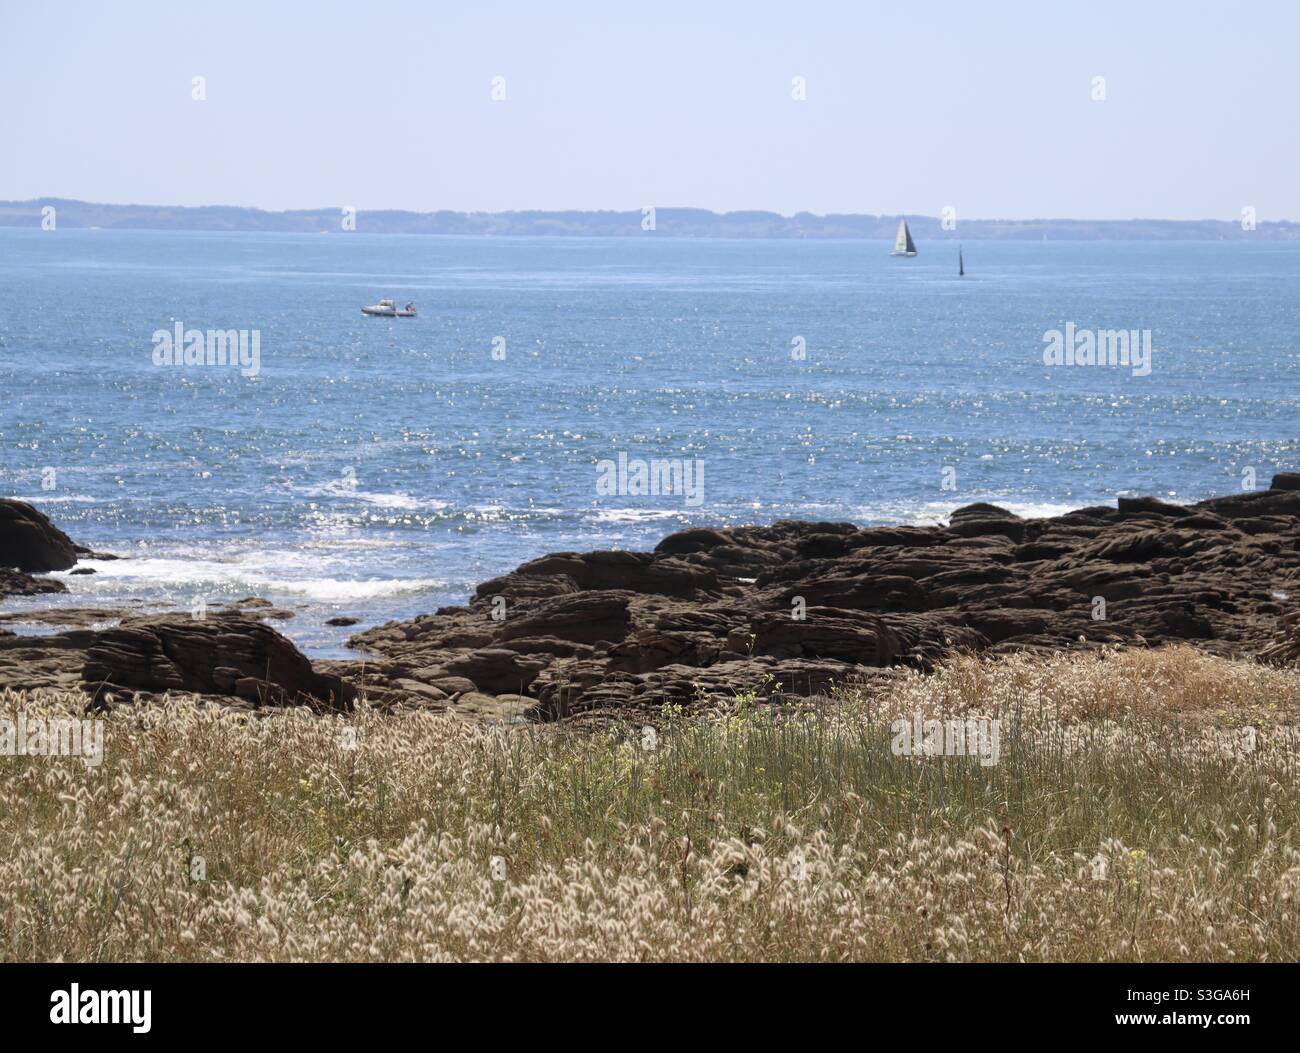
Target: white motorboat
(387, 309)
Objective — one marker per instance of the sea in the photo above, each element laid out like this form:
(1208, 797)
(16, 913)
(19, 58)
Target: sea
(378, 468)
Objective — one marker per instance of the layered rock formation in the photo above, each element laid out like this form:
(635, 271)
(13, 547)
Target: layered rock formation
(226, 656)
(229, 654)
(793, 608)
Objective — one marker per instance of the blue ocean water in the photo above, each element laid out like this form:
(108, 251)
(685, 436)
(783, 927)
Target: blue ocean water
(379, 468)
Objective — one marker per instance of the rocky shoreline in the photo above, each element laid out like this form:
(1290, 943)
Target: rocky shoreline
(787, 610)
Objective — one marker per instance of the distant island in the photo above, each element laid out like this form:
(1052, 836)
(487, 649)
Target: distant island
(668, 222)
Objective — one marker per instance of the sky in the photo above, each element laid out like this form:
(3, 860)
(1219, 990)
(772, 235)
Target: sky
(910, 106)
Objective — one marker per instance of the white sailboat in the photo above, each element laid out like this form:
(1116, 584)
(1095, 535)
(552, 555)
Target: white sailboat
(903, 244)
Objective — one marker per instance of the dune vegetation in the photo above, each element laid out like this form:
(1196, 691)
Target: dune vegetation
(1143, 805)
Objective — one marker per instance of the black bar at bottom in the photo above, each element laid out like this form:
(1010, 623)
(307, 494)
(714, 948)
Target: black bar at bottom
(337, 1002)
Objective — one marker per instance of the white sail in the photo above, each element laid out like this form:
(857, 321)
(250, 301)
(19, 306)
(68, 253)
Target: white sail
(903, 244)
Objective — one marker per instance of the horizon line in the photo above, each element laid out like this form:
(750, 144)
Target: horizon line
(49, 199)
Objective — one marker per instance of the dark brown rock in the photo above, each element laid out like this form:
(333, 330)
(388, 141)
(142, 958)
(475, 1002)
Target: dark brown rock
(30, 542)
(48, 661)
(226, 654)
(727, 616)
(16, 583)
(256, 607)
(981, 510)
(1152, 506)
(496, 670)
(716, 614)
(633, 571)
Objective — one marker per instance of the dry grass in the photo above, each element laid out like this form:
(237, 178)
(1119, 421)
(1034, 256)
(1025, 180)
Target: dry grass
(689, 851)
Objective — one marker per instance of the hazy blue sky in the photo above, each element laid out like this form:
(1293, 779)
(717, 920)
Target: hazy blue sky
(910, 106)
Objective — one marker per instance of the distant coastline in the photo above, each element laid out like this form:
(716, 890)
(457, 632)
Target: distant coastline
(668, 222)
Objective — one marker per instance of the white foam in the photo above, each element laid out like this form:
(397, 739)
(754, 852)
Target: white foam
(270, 572)
(48, 497)
(1039, 510)
(398, 500)
(342, 490)
(633, 515)
(361, 543)
(929, 513)
(334, 590)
